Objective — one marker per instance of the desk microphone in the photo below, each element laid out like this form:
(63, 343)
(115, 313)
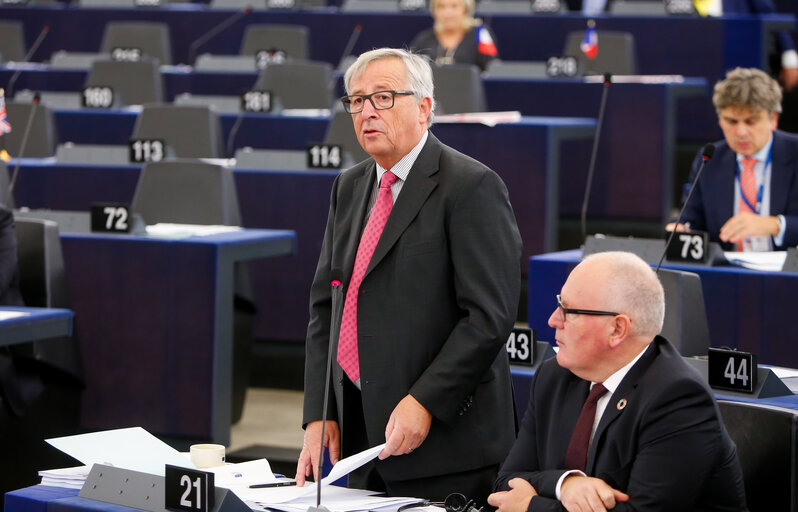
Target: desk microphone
(26, 58)
(34, 106)
(219, 27)
(706, 154)
(592, 167)
(335, 328)
(353, 37)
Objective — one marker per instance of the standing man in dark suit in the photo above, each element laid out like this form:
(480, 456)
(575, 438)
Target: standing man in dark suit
(747, 196)
(648, 436)
(426, 316)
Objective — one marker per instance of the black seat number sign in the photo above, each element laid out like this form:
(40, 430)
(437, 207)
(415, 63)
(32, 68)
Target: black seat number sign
(521, 346)
(256, 101)
(324, 156)
(562, 66)
(265, 57)
(689, 247)
(412, 5)
(126, 54)
(147, 150)
(732, 370)
(110, 218)
(188, 489)
(97, 97)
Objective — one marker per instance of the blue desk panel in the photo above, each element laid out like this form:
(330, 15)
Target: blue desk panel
(746, 309)
(156, 325)
(299, 200)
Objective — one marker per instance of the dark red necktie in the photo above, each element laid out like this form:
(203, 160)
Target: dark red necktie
(576, 456)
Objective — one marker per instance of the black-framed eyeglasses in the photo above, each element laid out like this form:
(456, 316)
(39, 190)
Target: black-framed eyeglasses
(565, 311)
(380, 100)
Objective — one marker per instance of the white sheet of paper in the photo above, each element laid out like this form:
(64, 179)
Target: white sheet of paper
(770, 261)
(5, 315)
(129, 448)
(244, 474)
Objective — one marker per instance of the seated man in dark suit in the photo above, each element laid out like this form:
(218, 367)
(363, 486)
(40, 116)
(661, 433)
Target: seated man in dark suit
(747, 196)
(648, 437)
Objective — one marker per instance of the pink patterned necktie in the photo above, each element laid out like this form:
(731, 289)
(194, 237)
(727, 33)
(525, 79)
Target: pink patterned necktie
(747, 189)
(347, 341)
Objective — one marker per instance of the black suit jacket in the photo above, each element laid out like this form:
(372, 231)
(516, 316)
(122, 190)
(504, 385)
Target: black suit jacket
(712, 203)
(435, 308)
(666, 447)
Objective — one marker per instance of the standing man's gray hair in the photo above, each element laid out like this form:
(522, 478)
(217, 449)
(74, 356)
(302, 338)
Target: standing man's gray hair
(419, 72)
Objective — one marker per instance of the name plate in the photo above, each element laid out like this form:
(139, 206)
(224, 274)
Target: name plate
(324, 156)
(146, 150)
(690, 247)
(126, 54)
(732, 370)
(412, 5)
(546, 6)
(520, 346)
(97, 97)
(272, 56)
(256, 101)
(188, 490)
(558, 66)
(281, 4)
(680, 7)
(110, 218)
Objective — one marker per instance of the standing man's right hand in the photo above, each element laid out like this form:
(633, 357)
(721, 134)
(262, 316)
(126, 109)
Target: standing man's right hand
(309, 457)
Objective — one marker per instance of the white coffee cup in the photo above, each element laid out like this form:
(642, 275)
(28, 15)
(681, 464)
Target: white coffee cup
(207, 455)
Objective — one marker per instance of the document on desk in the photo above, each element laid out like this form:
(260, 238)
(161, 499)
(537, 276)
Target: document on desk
(771, 261)
(129, 448)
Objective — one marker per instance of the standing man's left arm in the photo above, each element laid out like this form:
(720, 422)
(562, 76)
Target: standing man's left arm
(485, 252)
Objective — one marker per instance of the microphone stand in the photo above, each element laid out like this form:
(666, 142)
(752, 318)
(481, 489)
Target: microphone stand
(22, 146)
(592, 167)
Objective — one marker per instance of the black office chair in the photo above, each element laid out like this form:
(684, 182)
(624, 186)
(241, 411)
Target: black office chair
(151, 38)
(189, 131)
(306, 84)
(48, 373)
(617, 54)
(133, 83)
(290, 39)
(12, 41)
(194, 192)
(341, 131)
(685, 322)
(42, 136)
(767, 444)
(458, 88)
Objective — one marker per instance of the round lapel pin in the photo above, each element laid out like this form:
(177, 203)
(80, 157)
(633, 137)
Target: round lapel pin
(621, 404)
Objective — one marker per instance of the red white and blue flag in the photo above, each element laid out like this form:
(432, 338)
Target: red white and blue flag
(485, 44)
(5, 126)
(589, 44)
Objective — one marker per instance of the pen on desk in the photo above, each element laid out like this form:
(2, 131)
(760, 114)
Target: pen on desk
(272, 484)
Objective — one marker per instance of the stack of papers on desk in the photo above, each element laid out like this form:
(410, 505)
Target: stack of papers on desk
(71, 478)
(770, 261)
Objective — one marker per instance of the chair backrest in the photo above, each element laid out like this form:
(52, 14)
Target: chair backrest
(386, 6)
(616, 52)
(12, 41)
(42, 136)
(5, 199)
(290, 39)
(299, 84)
(766, 444)
(190, 131)
(187, 192)
(639, 7)
(133, 83)
(504, 7)
(41, 264)
(685, 315)
(458, 88)
(341, 131)
(151, 38)
(515, 69)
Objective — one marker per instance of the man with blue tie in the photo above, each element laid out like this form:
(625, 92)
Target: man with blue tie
(747, 196)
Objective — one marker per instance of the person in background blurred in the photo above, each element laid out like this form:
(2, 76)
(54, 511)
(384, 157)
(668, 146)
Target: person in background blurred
(457, 37)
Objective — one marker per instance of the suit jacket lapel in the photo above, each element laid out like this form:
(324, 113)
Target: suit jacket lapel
(722, 183)
(624, 394)
(415, 192)
(781, 170)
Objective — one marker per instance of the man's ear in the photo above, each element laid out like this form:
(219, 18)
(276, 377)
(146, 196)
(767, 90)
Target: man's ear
(424, 108)
(621, 328)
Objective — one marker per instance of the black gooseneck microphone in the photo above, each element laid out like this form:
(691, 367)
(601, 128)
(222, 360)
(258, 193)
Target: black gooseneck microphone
(350, 44)
(335, 328)
(706, 154)
(22, 145)
(592, 167)
(26, 58)
(204, 38)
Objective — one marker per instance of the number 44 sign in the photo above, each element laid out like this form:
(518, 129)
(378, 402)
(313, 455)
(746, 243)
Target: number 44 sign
(733, 370)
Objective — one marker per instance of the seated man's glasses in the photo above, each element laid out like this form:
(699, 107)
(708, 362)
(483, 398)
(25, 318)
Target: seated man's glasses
(380, 100)
(566, 311)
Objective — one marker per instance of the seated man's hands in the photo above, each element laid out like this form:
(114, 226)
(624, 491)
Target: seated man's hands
(748, 224)
(516, 499)
(587, 494)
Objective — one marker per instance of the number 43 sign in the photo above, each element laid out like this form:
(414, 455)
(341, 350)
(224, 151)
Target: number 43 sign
(521, 346)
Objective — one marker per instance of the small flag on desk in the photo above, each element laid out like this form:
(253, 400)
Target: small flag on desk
(589, 44)
(5, 126)
(485, 44)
